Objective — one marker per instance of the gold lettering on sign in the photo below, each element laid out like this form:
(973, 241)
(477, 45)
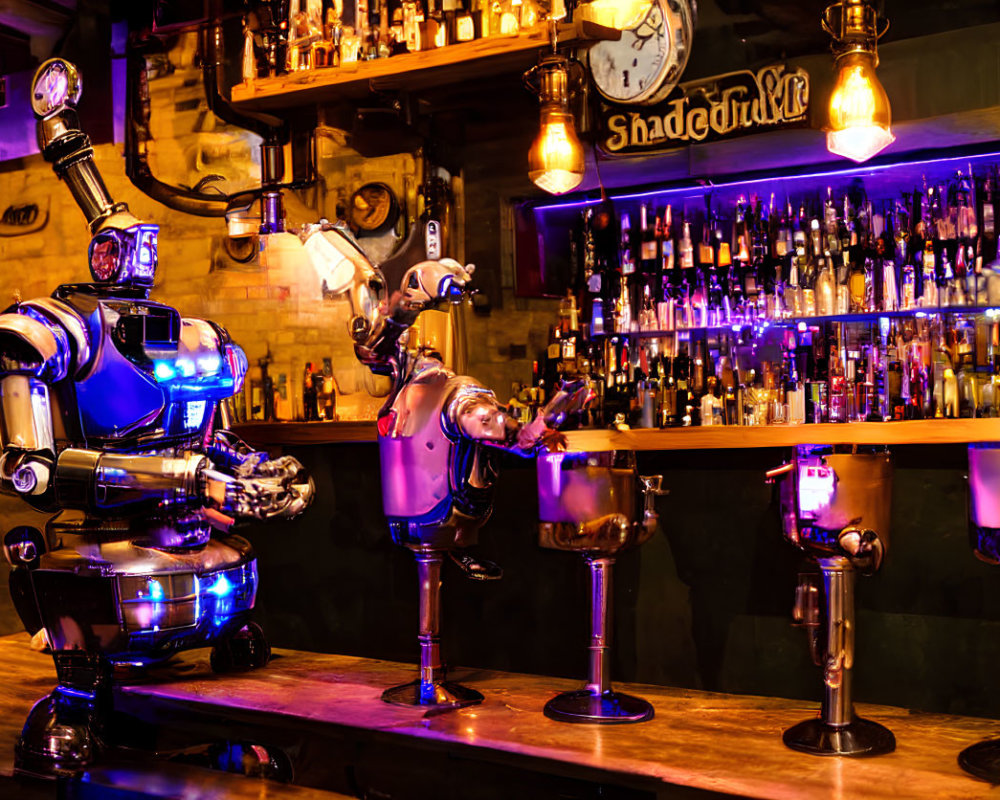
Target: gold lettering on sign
(673, 122)
(619, 133)
(697, 123)
(738, 102)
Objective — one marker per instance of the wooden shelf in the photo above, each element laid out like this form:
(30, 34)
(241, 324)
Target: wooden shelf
(931, 431)
(460, 62)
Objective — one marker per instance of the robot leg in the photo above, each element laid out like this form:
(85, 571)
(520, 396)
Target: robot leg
(62, 733)
(241, 651)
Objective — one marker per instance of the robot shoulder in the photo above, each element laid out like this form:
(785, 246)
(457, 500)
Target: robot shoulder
(32, 344)
(202, 334)
(77, 327)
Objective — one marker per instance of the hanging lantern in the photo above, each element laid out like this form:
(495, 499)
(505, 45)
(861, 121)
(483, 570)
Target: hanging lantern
(860, 115)
(556, 157)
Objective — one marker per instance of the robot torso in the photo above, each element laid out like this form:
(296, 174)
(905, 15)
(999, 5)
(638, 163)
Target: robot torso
(437, 485)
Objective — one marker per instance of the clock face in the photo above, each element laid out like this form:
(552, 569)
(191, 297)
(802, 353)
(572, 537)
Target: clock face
(645, 64)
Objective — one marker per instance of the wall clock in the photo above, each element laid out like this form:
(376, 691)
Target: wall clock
(647, 62)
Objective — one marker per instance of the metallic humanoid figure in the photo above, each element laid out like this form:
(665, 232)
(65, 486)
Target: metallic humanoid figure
(110, 412)
(439, 435)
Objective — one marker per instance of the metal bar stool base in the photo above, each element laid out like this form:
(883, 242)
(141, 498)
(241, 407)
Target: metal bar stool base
(982, 760)
(862, 737)
(442, 695)
(600, 708)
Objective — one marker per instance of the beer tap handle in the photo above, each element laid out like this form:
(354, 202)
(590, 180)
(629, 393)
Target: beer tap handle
(773, 474)
(652, 487)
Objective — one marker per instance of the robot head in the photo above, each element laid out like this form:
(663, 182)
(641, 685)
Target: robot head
(430, 284)
(376, 325)
(123, 251)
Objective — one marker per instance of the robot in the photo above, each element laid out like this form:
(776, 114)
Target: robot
(439, 435)
(113, 426)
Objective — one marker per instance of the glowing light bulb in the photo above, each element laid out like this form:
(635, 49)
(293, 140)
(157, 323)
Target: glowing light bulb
(556, 158)
(859, 110)
(621, 14)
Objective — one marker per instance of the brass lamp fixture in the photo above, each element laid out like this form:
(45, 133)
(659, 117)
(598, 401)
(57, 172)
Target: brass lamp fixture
(860, 115)
(621, 14)
(556, 156)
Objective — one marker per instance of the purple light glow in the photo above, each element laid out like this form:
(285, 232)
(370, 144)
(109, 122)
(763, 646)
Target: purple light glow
(698, 190)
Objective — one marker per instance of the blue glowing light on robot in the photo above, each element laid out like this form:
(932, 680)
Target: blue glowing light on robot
(155, 590)
(222, 587)
(209, 365)
(163, 370)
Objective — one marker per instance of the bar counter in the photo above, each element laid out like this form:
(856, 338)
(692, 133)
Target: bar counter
(925, 431)
(30, 675)
(326, 713)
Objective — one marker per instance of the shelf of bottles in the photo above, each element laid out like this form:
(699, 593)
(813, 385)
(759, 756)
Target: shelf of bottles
(334, 50)
(863, 296)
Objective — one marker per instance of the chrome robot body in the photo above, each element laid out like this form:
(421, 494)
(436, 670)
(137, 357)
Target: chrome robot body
(109, 425)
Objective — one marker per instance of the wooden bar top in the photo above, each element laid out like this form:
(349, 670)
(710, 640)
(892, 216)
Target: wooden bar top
(30, 675)
(720, 437)
(925, 431)
(711, 742)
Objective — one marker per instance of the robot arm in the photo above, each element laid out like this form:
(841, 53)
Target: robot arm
(475, 413)
(34, 353)
(377, 324)
(55, 92)
(98, 481)
(246, 483)
(123, 249)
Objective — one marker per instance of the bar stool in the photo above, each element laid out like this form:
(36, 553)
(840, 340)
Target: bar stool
(587, 504)
(835, 507)
(983, 759)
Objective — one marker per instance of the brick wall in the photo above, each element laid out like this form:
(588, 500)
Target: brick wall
(273, 304)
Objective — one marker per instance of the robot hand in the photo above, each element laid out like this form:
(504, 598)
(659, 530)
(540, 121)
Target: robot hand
(541, 431)
(264, 490)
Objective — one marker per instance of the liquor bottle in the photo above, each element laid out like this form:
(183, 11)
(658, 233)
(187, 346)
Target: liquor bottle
(667, 242)
(623, 307)
(831, 224)
(669, 282)
(648, 261)
(687, 277)
(625, 247)
(687, 249)
(987, 223)
(706, 253)
(929, 273)
(826, 288)
(647, 313)
(794, 291)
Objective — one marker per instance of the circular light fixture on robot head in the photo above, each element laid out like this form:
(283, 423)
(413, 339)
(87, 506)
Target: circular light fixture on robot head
(55, 86)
